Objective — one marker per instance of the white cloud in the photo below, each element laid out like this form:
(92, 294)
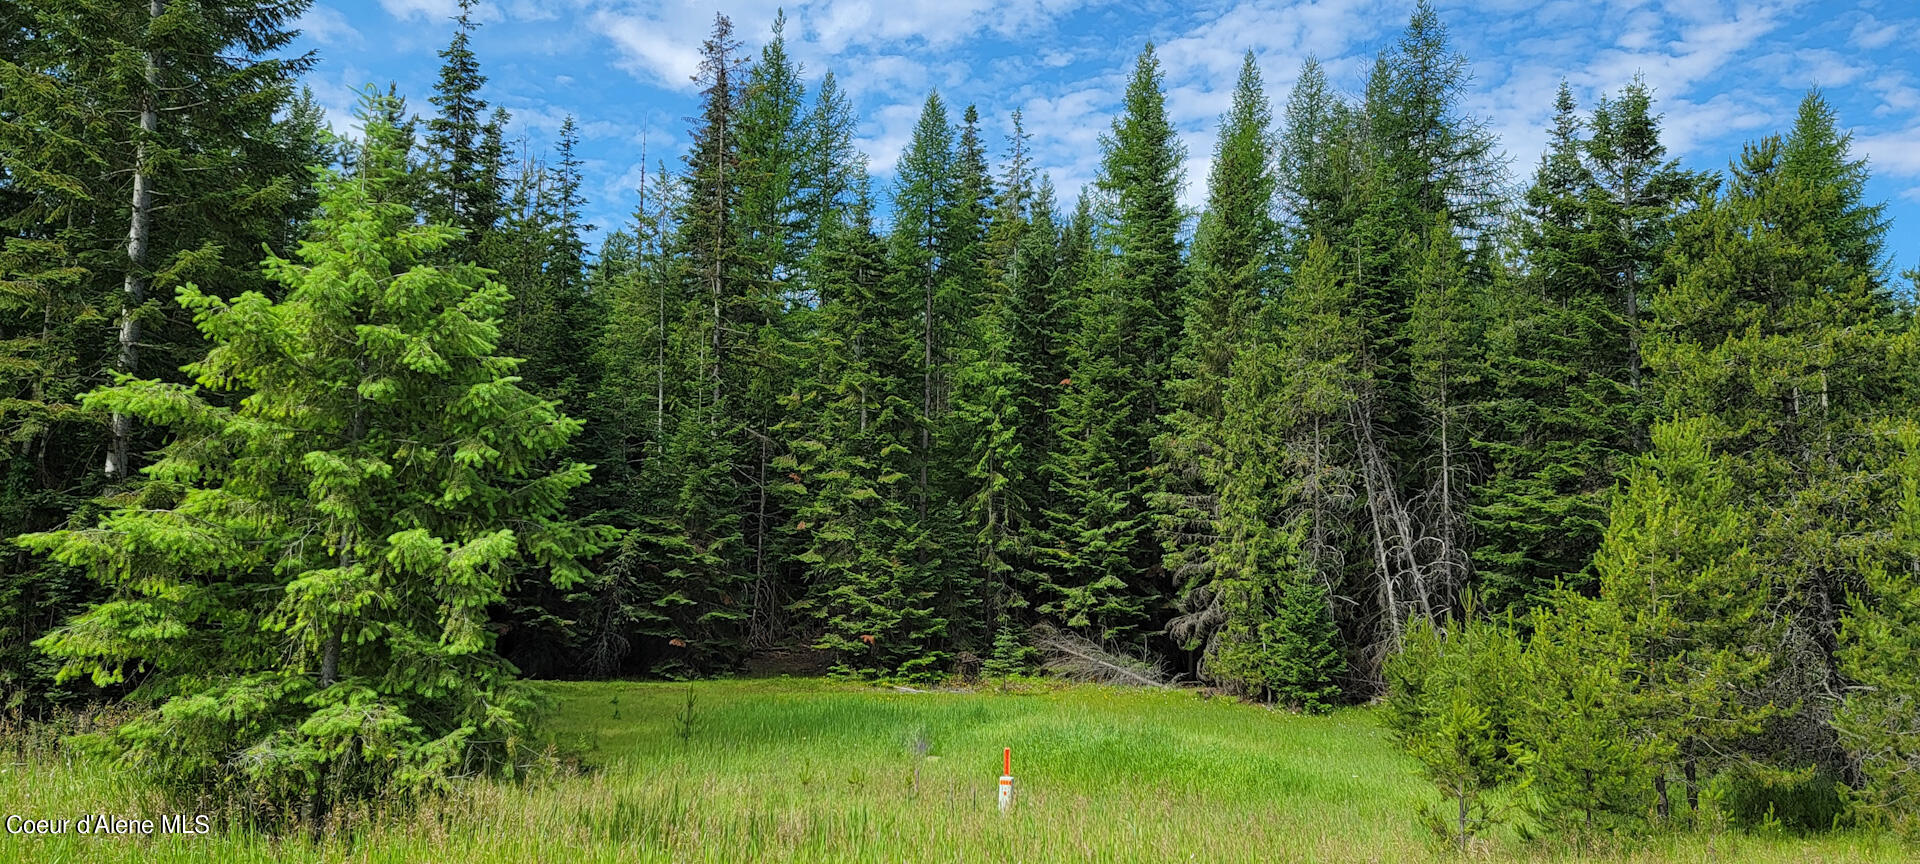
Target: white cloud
(1897, 93)
(650, 50)
(660, 41)
(327, 26)
(1896, 153)
(1871, 34)
(1697, 52)
(1689, 124)
(1821, 67)
(887, 132)
(430, 10)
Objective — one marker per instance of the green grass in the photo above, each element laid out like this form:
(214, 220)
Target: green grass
(800, 770)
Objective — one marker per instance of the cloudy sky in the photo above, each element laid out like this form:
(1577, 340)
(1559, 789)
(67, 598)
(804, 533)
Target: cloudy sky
(1723, 71)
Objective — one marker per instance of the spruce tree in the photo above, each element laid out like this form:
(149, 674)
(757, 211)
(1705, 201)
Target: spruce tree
(1632, 208)
(302, 586)
(646, 359)
(1109, 577)
(923, 203)
(929, 252)
(1557, 422)
(1140, 173)
(1265, 617)
(974, 436)
(463, 186)
(994, 401)
(1232, 272)
(139, 148)
(858, 522)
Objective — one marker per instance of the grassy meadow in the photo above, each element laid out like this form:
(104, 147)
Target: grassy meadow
(807, 770)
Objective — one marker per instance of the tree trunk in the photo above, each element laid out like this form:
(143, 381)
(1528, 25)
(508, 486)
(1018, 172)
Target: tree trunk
(329, 673)
(926, 390)
(139, 231)
(1463, 822)
(330, 656)
(1664, 807)
(1692, 769)
(1587, 805)
(760, 619)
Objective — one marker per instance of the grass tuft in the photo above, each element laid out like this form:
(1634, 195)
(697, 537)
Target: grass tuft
(822, 771)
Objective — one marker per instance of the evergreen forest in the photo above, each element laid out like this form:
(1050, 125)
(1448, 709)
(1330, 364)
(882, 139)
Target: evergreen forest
(1599, 476)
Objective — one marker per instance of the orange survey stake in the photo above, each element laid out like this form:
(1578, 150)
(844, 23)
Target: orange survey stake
(1006, 779)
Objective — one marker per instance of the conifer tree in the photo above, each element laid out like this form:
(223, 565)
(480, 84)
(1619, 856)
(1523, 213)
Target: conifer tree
(1818, 155)
(1265, 617)
(1141, 176)
(1557, 420)
(923, 204)
(1097, 526)
(1003, 398)
(1013, 201)
(1689, 593)
(684, 558)
(139, 148)
(977, 415)
(1576, 710)
(864, 546)
(1435, 159)
(538, 244)
(1880, 646)
(648, 369)
(1443, 335)
(551, 324)
(185, 92)
(829, 162)
(1450, 704)
(1109, 574)
(1777, 340)
(993, 399)
(770, 139)
(1401, 187)
(768, 322)
(463, 185)
(305, 580)
(1633, 205)
(1311, 173)
(1232, 273)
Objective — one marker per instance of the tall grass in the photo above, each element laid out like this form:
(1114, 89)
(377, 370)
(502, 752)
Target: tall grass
(820, 771)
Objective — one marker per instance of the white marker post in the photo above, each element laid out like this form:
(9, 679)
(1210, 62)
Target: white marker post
(1006, 779)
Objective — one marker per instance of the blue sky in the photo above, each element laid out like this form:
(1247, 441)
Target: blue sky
(1723, 71)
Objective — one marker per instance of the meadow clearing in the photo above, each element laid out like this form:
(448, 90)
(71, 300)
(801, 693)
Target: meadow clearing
(823, 771)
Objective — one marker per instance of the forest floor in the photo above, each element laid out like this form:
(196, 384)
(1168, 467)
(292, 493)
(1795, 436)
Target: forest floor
(810, 770)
